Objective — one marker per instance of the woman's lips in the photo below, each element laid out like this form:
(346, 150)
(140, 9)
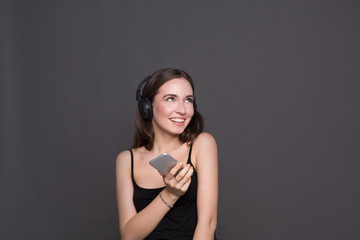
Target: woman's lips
(178, 121)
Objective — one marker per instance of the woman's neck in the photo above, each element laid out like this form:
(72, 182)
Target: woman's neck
(165, 143)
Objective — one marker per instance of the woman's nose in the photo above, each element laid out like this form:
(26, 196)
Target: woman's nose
(181, 108)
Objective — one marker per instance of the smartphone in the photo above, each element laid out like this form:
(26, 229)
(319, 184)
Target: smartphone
(164, 163)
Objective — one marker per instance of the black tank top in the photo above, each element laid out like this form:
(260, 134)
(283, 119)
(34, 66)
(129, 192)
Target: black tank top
(180, 222)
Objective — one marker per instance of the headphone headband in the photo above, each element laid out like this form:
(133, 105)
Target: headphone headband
(138, 90)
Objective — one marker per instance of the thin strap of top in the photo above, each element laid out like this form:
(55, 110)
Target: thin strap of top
(189, 158)
(132, 162)
(132, 165)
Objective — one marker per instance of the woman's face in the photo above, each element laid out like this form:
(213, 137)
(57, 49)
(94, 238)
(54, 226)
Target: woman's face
(173, 106)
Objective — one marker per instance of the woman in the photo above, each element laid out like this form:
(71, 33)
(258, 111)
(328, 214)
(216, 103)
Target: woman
(183, 203)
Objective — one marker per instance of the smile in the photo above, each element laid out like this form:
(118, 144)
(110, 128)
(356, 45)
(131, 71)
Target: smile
(179, 120)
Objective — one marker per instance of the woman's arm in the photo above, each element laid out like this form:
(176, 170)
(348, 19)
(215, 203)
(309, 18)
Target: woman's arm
(207, 196)
(135, 225)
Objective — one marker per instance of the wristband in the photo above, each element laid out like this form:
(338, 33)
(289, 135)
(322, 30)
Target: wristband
(165, 202)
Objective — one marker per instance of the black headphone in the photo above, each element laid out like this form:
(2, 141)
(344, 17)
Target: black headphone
(144, 103)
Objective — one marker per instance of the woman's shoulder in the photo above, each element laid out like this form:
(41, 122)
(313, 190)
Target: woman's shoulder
(123, 158)
(205, 139)
(204, 144)
(127, 154)
(124, 154)
(205, 151)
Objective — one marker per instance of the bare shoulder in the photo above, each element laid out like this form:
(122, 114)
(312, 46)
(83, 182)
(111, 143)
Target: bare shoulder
(205, 150)
(123, 159)
(205, 140)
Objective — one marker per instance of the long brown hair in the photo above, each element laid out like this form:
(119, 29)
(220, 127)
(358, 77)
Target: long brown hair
(144, 132)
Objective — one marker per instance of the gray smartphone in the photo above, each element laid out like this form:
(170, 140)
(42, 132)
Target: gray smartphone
(164, 163)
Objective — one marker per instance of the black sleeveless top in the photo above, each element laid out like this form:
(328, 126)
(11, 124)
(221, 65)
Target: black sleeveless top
(180, 222)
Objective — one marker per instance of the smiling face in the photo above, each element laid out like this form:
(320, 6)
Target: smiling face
(173, 106)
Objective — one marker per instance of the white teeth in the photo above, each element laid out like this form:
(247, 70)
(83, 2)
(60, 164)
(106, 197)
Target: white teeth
(177, 120)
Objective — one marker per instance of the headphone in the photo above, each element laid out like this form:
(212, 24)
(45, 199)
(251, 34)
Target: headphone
(144, 103)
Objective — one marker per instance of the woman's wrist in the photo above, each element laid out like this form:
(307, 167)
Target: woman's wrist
(165, 202)
(168, 197)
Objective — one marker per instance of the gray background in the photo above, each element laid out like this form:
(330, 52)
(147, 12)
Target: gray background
(278, 83)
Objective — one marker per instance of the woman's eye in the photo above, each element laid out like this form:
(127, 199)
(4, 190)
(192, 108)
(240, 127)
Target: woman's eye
(189, 100)
(170, 99)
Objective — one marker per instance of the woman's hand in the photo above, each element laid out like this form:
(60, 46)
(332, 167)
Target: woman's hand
(178, 179)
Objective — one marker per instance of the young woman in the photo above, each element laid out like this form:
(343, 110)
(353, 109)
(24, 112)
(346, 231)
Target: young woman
(183, 203)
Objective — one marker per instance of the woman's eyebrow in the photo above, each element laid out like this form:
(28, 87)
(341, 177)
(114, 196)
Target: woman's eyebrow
(174, 95)
(169, 95)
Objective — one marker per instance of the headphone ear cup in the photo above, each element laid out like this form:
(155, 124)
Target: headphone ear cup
(145, 109)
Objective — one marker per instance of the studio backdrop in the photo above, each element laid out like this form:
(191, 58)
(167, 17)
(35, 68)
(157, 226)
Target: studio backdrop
(277, 83)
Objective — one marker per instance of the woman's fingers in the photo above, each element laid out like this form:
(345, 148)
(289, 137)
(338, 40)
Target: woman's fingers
(180, 175)
(185, 173)
(174, 170)
(169, 178)
(179, 178)
(186, 185)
